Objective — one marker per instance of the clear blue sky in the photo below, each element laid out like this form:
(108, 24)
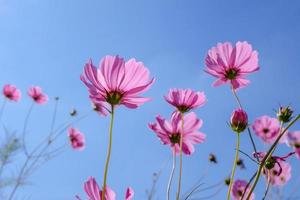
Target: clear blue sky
(47, 43)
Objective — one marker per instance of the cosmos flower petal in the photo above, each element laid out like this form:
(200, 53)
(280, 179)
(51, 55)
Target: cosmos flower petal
(129, 193)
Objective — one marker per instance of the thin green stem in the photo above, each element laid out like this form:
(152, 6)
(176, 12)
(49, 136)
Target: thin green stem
(248, 184)
(171, 174)
(25, 129)
(234, 165)
(237, 98)
(180, 157)
(268, 154)
(268, 185)
(108, 152)
(248, 129)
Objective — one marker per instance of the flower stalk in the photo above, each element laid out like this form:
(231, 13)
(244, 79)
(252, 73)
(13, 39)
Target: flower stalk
(180, 157)
(234, 165)
(171, 174)
(108, 151)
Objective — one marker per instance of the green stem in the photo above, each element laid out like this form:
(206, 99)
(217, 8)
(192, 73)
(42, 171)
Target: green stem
(171, 174)
(268, 154)
(248, 129)
(108, 152)
(25, 129)
(180, 157)
(234, 165)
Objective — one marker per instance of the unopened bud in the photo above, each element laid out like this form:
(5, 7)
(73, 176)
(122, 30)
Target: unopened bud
(239, 120)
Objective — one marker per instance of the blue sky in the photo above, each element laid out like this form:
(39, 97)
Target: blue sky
(47, 42)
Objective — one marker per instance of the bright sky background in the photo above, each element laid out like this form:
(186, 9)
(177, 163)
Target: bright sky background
(47, 42)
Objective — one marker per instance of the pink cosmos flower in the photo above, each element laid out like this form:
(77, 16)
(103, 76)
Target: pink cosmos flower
(169, 132)
(276, 169)
(280, 174)
(35, 92)
(231, 64)
(117, 82)
(238, 189)
(93, 191)
(76, 138)
(185, 99)
(267, 128)
(293, 140)
(11, 92)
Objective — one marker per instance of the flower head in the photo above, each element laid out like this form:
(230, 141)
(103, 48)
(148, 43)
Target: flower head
(293, 140)
(231, 64)
(169, 132)
(76, 138)
(276, 169)
(11, 92)
(267, 128)
(185, 99)
(35, 92)
(284, 114)
(93, 191)
(239, 120)
(238, 190)
(117, 82)
(280, 174)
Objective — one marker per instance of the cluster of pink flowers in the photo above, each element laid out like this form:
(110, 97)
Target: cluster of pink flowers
(12, 93)
(119, 82)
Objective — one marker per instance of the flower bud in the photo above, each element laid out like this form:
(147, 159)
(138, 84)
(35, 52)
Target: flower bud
(227, 181)
(239, 120)
(270, 163)
(212, 158)
(284, 114)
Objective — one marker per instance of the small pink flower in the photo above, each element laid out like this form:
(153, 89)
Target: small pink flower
(11, 92)
(169, 132)
(35, 92)
(293, 140)
(280, 174)
(239, 120)
(231, 64)
(276, 169)
(117, 82)
(238, 189)
(94, 193)
(76, 138)
(267, 128)
(185, 99)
